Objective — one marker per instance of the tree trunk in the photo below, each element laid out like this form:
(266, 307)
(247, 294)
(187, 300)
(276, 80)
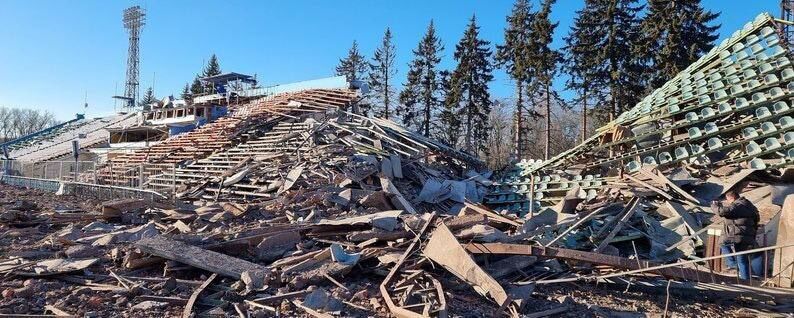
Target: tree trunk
(584, 112)
(386, 95)
(518, 140)
(547, 150)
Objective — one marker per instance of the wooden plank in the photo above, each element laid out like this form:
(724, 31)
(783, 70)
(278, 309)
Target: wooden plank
(197, 257)
(575, 225)
(647, 185)
(396, 310)
(629, 212)
(193, 297)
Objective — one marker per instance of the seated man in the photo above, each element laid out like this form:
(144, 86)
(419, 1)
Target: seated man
(739, 230)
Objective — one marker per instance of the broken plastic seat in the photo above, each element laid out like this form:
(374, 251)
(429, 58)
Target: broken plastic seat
(757, 164)
(665, 157)
(696, 149)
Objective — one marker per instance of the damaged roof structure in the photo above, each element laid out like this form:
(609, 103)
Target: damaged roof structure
(292, 205)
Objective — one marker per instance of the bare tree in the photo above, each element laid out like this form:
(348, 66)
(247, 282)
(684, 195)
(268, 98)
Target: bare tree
(18, 122)
(500, 139)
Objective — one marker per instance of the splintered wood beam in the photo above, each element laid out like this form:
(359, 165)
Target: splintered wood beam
(599, 259)
(193, 297)
(197, 257)
(630, 208)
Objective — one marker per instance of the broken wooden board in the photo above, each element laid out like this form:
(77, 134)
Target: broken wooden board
(384, 286)
(47, 267)
(363, 219)
(197, 257)
(193, 297)
(291, 178)
(398, 200)
(443, 248)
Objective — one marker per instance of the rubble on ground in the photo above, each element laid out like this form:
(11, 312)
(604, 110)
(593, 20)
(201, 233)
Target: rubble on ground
(325, 213)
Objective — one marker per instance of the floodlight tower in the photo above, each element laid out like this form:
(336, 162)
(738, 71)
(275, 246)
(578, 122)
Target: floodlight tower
(787, 30)
(134, 19)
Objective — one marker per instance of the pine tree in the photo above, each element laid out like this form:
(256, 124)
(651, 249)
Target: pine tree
(543, 62)
(147, 99)
(615, 27)
(675, 34)
(513, 56)
(353, 66)
(213, 67)
(422, 87)
(449, 122)
(185, 95)
(196, 88)
(469, 87)
(381, 76)
(581, 63)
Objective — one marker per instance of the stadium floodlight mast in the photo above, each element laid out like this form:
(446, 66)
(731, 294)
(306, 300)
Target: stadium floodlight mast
(134, 19)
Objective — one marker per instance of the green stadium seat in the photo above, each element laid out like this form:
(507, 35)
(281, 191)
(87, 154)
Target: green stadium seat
(762, 112)
(788, 138)
(768, 127)
(724, 108)
(779, 107)
(786, 122)
(749, 132)
(714, 143)
(752, 148)
(757, 164)
(771, 143)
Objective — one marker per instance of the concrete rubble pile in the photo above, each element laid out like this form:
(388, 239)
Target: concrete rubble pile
(331, 214)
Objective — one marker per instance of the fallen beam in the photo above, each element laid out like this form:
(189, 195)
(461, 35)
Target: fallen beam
(596, 258)
(197, 257)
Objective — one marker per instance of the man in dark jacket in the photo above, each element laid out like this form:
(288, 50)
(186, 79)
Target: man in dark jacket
(739, 230)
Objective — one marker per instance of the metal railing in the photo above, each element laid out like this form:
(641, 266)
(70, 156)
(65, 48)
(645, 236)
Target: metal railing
(142, 176)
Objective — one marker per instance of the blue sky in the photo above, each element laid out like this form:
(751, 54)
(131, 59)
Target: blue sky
(54, 52)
